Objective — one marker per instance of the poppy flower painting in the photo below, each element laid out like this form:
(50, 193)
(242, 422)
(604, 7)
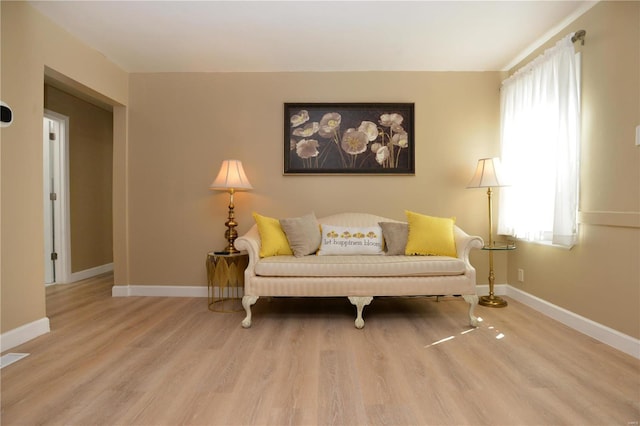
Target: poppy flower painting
(349, 138)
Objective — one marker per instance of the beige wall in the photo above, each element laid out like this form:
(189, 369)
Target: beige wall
(29, 44)
(90, 178)
(600, 277)
(183, 125)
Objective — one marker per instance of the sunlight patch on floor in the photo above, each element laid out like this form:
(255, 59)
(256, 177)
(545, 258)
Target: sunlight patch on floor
(499, 335)
(446, 339)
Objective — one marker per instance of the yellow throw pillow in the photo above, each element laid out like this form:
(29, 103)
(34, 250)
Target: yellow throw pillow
(432, 236)
(273, 241)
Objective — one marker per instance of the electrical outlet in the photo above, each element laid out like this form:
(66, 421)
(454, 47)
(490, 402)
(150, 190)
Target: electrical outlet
(521, 275)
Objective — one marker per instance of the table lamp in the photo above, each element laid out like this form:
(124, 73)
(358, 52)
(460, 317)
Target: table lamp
(231, 178)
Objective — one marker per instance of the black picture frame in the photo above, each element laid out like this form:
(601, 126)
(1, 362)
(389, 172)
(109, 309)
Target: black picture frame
(349, 138)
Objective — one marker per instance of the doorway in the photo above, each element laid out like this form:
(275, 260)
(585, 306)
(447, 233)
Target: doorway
(55, 142)
(86, 149)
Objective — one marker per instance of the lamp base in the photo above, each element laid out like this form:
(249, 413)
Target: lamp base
(492, 301)
(226, 252)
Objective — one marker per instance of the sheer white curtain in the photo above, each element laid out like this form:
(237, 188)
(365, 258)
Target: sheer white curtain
(540, 135)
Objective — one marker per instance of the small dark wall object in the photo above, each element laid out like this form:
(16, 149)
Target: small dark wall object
(6, 115)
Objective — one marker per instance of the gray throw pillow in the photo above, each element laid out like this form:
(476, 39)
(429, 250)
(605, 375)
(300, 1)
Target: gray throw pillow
(303, 234)
(395, 237)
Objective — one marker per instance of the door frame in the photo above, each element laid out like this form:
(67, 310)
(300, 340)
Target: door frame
(62, 223)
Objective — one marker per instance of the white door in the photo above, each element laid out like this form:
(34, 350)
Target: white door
(55, 199)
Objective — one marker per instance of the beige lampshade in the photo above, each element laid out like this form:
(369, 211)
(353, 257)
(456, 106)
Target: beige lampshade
(488, 174)
(231, 176)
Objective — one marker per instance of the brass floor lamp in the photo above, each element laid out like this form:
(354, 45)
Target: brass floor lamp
(488, 175)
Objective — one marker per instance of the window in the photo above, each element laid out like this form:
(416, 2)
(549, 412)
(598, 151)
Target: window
(540, 135)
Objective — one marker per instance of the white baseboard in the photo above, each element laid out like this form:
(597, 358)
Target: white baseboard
(159, 291)
(24, 333)
(602, 333)
(498, 289)
(88, 273)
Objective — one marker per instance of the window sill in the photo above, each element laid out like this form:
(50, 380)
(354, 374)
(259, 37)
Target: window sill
(546, 243)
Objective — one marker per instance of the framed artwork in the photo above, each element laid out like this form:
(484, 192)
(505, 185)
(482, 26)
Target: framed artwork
(349, 138)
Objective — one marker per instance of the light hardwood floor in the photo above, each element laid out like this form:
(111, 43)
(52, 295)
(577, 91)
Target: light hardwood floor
(170, 361)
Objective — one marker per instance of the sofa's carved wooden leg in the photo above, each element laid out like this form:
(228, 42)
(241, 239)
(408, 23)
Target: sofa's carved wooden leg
(360, 303)
(247, 301)
(472, 300)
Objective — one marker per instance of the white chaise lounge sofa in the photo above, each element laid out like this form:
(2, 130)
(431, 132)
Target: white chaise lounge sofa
(360, 278)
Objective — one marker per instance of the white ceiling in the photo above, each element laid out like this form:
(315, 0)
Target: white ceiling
(260, 36)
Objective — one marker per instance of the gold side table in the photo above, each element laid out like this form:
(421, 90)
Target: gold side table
(492, 300)
(225, 280)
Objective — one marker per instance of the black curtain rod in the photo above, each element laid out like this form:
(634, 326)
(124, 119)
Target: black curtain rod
(579, 35)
